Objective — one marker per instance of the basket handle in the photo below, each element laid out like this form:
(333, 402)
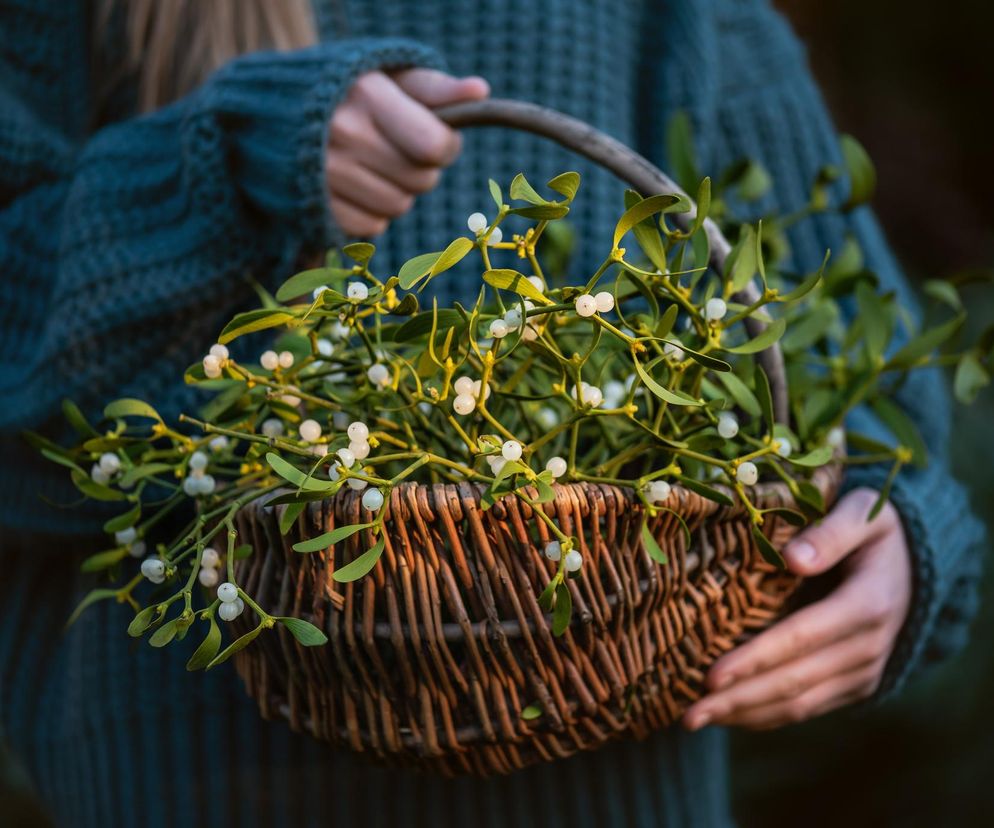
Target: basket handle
(629, 166)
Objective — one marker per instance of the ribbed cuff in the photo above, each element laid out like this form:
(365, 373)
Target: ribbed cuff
(276, 108)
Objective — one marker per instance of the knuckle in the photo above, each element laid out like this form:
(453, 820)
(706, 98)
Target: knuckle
(346, 128)
(879, 608)
(366, 84)
(791, 686)
(435, 146)
(798, 641)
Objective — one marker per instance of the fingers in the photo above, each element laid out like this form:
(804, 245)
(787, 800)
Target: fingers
(353, 139)
(366, 189)
(434, 89)
(818, 548)
(354, 220)
(407, 123)
(840, 615)
(386, 146)
(794, 668)
(787, 682)
(836, 692)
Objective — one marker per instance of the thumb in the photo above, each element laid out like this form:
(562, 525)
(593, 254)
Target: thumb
(844, 529)
(433, 88)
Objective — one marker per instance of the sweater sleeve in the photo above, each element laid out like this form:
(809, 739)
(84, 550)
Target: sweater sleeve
(764, 105)
(122, 252)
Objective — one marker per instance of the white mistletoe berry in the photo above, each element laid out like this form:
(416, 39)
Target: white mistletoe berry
(137, 549)
(372, 499)
(463, 385)
(339, 331)
(341, 420)
(593, 396)
(126, 536)
(346, 457)
(269, 360)
(553, 550)
(310, 431)
(537, 283)
(784, 448)
(212, 366)
(219, 443)
(657, 491)
(153, 568)
(498, 329)
(198, 461)
(673, 349)
(208, 577)
(356, 484)
(98, 475)
(272, 427)
(286, 359)
(586, 305)
(715, 309)
(463, 404)
(227, 592)
(477, 222)
(219, 350)
(614, 393)
(359, 450)
(604, 302)
(546, 418)
(316, 293)
(325, 347)
(478, 387)
(836, 437)
(228, 611)
(557, 467)
(496, 236)
(358, 432)
(513, 319)
(191, 486)
(728, 425)
(320, 450)
(497, 463)
(511, 450)
(357, 291)
(110, 463)
(205, 484)
(747, 474)
(378, 374)
(574, 560)
(210, 558)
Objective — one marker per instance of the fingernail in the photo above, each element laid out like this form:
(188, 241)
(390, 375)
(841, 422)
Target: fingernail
(801, 552)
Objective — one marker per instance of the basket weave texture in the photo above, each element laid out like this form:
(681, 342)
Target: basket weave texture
(433, 656)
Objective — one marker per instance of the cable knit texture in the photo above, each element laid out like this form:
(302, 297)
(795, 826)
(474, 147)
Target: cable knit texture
(124, 249)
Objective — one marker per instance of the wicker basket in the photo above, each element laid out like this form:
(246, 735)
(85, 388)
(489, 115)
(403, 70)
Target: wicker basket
(435, 655)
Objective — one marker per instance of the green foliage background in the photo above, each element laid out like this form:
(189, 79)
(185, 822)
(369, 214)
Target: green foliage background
(927, 759)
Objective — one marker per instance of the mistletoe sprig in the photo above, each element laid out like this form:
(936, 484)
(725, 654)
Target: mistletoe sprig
(642, 374)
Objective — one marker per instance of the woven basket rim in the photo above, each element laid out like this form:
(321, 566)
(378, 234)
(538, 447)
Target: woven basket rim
(827, 479)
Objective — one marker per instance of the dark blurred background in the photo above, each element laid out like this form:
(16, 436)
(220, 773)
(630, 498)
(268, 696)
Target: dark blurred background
(913, 81)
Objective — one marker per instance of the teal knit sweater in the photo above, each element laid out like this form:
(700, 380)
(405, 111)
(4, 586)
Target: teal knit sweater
(123, 248)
